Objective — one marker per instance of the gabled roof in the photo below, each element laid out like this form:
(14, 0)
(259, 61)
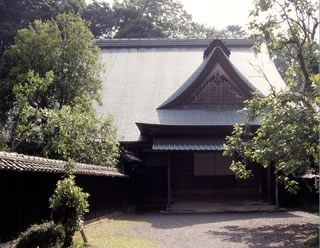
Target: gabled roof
(140, 74)
(215, 53)
(24, 163)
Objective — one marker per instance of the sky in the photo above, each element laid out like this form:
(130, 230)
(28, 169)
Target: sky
(217, 13)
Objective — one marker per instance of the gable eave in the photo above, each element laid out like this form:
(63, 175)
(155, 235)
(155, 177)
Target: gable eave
(217, 55)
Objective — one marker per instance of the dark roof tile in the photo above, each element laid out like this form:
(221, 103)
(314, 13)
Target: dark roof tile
(25, 163)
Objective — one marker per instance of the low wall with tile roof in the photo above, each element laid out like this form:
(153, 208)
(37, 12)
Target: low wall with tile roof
(27, 182)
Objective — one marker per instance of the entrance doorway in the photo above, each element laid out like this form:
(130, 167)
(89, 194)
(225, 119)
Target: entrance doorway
(206, 176)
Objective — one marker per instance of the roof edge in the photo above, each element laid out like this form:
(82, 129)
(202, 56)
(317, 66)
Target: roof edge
(167, 43)
(79, 167)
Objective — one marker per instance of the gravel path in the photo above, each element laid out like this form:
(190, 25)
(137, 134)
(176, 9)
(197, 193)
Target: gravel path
(239, 230)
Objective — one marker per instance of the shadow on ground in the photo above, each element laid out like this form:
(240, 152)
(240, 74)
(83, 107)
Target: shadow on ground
(164, 221)
(281, 235)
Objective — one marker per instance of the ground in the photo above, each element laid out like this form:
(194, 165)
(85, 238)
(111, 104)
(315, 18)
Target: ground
(224, 230)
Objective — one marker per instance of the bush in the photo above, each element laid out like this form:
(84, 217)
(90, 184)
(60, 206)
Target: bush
(69, 204)
(312, 241)
(45, 235)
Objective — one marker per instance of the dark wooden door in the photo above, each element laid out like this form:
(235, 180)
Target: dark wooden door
(182, 170)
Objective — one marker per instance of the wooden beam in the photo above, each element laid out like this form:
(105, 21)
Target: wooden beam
(169, 178)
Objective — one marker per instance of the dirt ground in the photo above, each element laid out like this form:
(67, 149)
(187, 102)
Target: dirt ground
(238, 230)
(220, 230)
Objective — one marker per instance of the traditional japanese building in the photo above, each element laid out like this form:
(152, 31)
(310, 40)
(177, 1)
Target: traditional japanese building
(174, 102)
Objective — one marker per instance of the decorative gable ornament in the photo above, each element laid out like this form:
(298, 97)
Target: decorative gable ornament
(217, 90)
(213, 44)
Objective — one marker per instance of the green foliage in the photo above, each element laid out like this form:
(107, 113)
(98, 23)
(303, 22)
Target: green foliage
(49, 78)
(126, 19)
(140, 27)
(168, 15)
(288, 135)
(75, 132)
(157, 19)
(69, 204)
(287, 138)
(26, 116)
(72, 131)
(289, 28)
(64, 46)
(45, 235)
(235, 32)
(312, 241)
(16, 14)
(100, 17)
(3, 144)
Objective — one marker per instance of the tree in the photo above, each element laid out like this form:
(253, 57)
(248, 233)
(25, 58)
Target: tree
(50, 77)
(26, 118)
(151, 18)
(10, 21)
(64, 46)
(75, 132)
(69, 204)
(126, 19)
(100, 17)
(288, 135)
(15, 14)
(140, 28)
(235, 31)
(290, 27)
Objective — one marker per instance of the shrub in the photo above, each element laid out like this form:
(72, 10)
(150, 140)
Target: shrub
(69, 204)
(45, 235)
(312, 240)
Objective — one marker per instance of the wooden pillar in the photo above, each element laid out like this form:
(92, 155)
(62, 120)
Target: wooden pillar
(276, 189)
(169, 178)
(269, 196)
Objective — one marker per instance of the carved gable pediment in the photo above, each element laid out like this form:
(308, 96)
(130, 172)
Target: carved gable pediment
(218, 89)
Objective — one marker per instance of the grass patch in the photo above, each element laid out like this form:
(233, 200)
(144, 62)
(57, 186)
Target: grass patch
(312, 240)
(113, 233)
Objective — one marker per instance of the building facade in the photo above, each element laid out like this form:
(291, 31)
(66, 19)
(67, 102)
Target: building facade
(175, 101)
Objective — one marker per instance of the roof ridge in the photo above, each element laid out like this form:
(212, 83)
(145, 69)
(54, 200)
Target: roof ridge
(216, 43)
(170, 42)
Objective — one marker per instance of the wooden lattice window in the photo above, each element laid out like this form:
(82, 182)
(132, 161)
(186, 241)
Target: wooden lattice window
(217, 90)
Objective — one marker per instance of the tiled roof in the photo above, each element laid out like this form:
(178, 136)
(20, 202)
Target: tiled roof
(188, 144)
(24, 163)
(141, 74)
